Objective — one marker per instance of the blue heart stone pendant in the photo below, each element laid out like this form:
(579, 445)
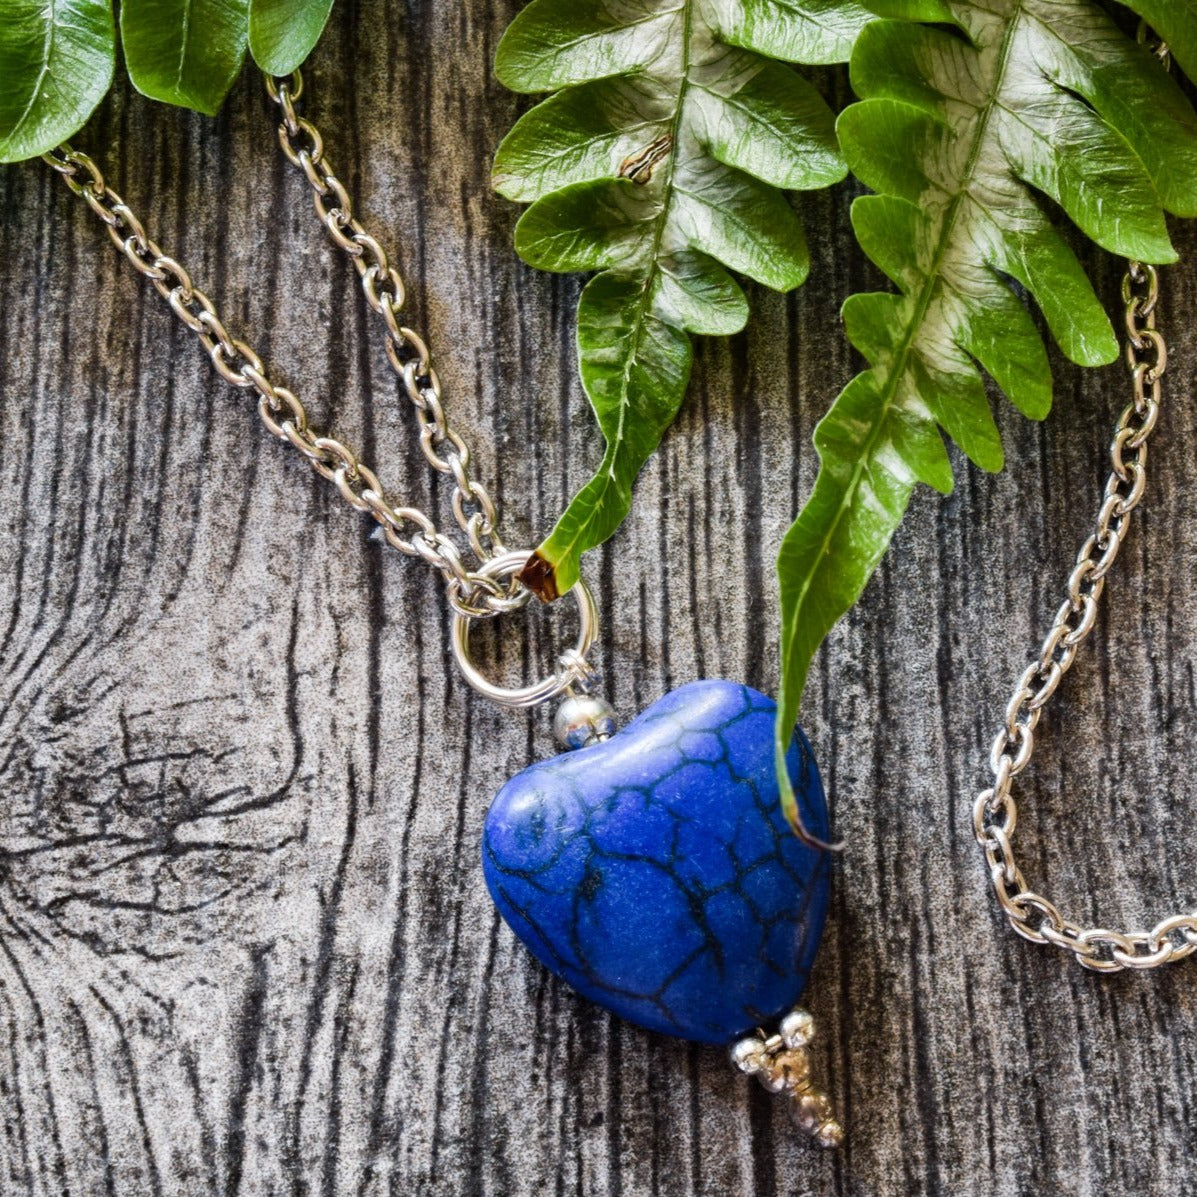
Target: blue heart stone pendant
(654, 872)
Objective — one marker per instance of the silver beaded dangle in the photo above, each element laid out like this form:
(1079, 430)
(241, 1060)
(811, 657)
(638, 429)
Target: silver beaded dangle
(781, 1062)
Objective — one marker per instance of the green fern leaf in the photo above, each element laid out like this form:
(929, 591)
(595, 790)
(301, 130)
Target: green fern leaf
(972, 117)
(185, 52)
(661, 163)
(1176, 22)
(282, 33)
(56, 63)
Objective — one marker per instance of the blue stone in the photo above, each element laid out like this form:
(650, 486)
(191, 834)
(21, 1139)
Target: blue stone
(655, 872)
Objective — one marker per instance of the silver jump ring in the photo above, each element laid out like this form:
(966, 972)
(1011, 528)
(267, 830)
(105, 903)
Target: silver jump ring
(574, 668)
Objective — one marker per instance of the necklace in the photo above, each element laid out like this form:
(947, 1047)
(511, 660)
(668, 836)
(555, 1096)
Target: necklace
(995, 813)
(651, 868)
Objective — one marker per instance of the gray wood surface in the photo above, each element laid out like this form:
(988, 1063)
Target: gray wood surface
(244, 943)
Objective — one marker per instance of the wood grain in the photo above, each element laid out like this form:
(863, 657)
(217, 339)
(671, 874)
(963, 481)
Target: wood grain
(244, 945)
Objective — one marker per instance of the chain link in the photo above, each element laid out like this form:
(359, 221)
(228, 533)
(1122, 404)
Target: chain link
(472, 592)
(995, 813)
(406, 351)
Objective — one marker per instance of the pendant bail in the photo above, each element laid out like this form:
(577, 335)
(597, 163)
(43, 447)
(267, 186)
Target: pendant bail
(574, 671)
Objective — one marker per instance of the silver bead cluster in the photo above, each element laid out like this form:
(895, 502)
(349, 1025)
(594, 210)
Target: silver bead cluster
(781, 1063)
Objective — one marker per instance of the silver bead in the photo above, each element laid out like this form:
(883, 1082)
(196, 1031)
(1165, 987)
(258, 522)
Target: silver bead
(811, 1111)
(830, 1135)
(747, 1054)
(787, 1070)
(797, 1028)
(583, 719)
(773, 1079)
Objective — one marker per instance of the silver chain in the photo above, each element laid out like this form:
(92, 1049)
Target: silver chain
(995, 813)
(474, 593)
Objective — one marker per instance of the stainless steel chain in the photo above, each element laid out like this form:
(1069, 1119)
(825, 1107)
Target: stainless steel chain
(487, 588)
(995, 814)
(411, 531)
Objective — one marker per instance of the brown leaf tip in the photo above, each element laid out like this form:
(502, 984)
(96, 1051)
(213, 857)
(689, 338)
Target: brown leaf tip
(540, 578)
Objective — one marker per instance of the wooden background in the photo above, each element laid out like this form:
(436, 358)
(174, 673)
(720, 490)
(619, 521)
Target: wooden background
(245, 947)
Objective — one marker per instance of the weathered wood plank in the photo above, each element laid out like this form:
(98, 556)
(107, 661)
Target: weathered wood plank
(245, 947)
